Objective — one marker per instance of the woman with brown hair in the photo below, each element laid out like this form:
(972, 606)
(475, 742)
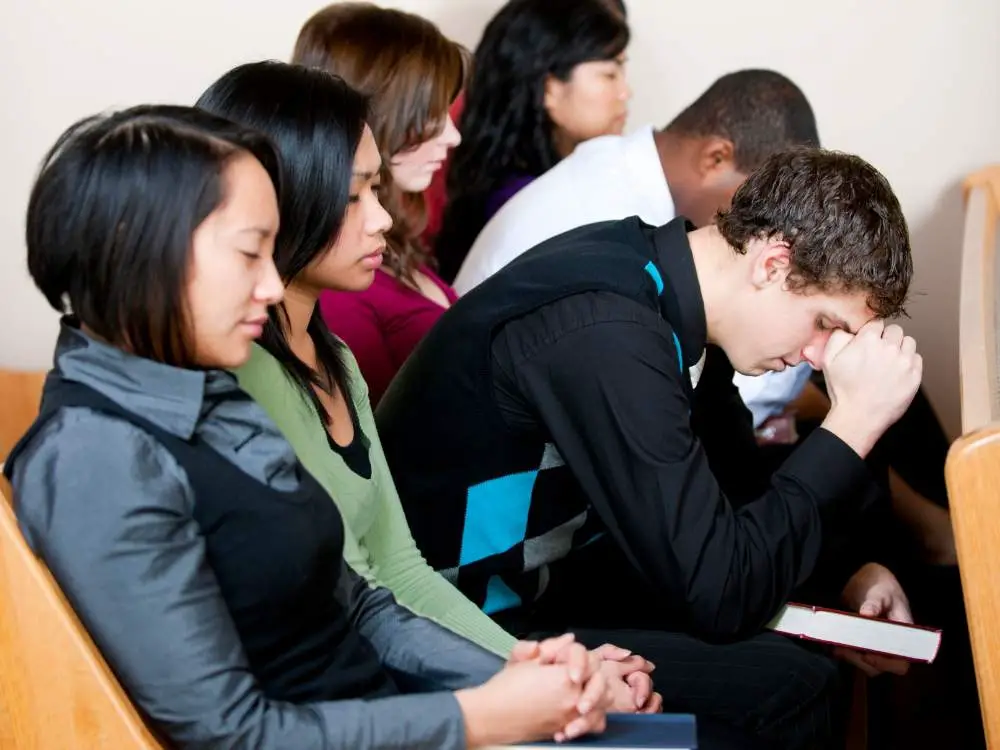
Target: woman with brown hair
(411, 72)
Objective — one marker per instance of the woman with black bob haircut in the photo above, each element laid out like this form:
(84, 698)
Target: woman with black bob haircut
(547, 75)
(203, 559)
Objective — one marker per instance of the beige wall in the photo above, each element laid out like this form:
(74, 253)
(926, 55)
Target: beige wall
(913, 87)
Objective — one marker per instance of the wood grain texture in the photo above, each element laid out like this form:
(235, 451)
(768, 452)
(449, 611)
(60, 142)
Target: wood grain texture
(978, 313)
(973, 476)
(20, 395)
(56, 691)
(973, 467)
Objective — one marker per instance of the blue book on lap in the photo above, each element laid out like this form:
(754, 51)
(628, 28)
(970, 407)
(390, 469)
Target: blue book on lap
(638, 732)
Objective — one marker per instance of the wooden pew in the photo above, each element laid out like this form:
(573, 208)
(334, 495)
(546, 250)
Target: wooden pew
(56, 691)
(20, 395)
(973, 467)
(978, 298)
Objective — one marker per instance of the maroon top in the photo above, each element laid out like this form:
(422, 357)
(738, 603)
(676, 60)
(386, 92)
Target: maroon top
(383, 324)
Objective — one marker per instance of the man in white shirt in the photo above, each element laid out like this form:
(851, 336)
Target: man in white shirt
(770, 394)
(690, 168)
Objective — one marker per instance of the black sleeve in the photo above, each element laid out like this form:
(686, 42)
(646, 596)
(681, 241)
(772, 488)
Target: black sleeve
(868, 533)
(612, 397)
(724, 425)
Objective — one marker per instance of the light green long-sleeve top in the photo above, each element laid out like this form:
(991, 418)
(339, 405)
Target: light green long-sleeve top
(377, 540)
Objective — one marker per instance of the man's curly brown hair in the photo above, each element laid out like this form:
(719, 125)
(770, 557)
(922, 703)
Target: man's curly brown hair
(840, 218)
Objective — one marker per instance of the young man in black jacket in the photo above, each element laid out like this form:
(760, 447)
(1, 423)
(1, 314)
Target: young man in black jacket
(558, 460)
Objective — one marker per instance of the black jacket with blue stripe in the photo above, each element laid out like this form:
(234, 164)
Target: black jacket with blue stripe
(554, 404)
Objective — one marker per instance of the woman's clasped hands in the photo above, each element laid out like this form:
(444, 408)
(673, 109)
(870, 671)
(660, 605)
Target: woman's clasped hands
(551, 689)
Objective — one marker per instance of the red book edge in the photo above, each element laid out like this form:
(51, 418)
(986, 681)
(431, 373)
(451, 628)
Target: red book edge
(814, 608)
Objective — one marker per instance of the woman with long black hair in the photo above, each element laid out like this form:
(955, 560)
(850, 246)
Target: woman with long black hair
(547, 75)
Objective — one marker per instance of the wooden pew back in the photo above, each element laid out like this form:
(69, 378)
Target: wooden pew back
(978, 309)
(20, 395)
(973, 476)
(973, 466)
(56, 691)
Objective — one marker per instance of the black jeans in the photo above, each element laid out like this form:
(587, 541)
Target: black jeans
(766, 691)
